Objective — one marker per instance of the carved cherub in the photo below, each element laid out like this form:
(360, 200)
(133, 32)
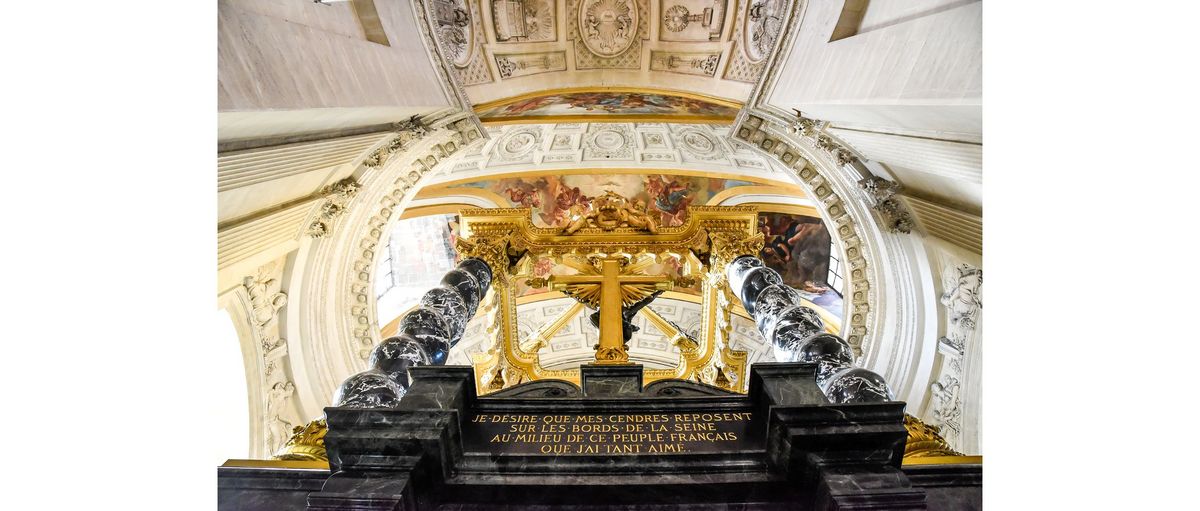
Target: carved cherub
(635, 216)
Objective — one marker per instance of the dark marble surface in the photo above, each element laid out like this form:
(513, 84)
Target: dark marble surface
(611, 380)
(266, 489)
(799, 451)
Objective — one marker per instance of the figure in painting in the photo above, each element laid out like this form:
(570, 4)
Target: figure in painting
(525, 194)
(671, 198)
(798, 248)
(564, 198)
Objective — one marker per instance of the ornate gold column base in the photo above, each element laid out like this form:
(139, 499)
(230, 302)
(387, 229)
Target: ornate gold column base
(306, 444)
(925, 441)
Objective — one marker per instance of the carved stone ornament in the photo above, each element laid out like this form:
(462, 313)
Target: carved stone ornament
(764, 23)
(337, 197)
(963, 303)
(608, 27)
(947, 402)
(881, 195)
(455, 30)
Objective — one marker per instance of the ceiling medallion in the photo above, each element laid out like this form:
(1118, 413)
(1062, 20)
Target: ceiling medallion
(699, 142)
(608, 27)
(764, 22)
(609, 140)
(455, 30)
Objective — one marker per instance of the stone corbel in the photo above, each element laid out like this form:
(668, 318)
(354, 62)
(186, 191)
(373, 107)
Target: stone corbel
(337, 198)
(881, 195)
(814, 131)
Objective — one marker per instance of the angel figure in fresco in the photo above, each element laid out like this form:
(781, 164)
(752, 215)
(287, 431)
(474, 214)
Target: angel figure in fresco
(564, 198)
(528, 105)
(671, 198)
(525, 195)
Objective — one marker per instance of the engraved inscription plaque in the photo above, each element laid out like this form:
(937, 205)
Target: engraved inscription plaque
(634, 433)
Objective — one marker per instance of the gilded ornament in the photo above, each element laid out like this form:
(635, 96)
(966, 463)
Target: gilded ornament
(925, 440)
(307, 443)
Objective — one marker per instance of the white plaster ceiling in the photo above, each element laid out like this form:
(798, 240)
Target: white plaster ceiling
(655, 147)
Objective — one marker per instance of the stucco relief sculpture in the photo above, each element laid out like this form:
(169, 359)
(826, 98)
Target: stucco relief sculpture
(266, 300)
(280, 418)
(455, 30)
(523, 20)
(764, 23)
(608, 27)
(962, 302)
(947, 403)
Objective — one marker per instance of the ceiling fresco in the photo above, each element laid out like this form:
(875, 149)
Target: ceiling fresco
(600, 105)
(664, 197)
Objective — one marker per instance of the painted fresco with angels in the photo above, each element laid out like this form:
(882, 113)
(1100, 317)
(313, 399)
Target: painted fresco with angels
(664, 197)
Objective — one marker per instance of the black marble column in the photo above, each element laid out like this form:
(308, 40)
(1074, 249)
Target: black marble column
(796, 333)
(425, 337)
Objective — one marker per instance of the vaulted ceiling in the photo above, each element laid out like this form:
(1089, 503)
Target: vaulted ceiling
(505, 48)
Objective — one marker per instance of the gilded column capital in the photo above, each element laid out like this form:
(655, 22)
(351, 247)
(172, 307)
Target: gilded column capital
(727, 246)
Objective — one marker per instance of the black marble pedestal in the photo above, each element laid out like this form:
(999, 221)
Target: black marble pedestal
(616, 444)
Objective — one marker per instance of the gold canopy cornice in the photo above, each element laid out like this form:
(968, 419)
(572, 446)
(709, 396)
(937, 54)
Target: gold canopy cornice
(710, 237)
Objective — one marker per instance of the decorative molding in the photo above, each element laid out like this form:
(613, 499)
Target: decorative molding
(333, 316)
(337, 197)
(881, 195)
(525, 64)
(684, 149)
(947, 401)
(699, 64)
(814, 130)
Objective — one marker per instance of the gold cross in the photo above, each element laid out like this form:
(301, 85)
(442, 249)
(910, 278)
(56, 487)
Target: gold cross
(603, 284)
